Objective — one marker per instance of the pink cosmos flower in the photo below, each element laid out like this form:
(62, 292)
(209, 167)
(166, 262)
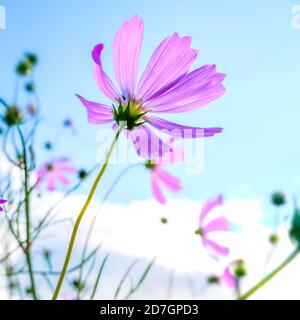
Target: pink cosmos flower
(217, 224)
(166, 86)
(2, 201)
(54, 172)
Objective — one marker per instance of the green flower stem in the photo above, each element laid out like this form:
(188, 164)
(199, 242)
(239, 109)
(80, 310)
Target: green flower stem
(80, 216)
(271, 275)
(27, 214)
(91, 228)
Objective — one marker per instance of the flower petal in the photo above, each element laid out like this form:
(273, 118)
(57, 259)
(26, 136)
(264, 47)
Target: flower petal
(41, 173)
(218, 224)
(194, 90)
(97, 113)
(156, 189)
(209, 206)
(228, 278)
(51, 182)
(68, 169)
(217, 248)
(2, 201)
(126, 52)
(176, 155)
(181, 131)
(62, 179)
(170, 182)
(172, 59)
(102, 79)
(147, 144)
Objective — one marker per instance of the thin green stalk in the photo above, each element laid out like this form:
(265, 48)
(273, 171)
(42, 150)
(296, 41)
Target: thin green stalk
(27, 215)
(141, 280)
(125, 276)
(271, 275)
(98, 277)
(91, 228)
(238, 287)
(80, 216)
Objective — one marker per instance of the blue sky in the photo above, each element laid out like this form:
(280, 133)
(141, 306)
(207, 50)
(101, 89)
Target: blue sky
(253, 42)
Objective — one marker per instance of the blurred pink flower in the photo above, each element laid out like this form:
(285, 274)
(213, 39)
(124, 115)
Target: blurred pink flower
(166, 86)
(54, 172)
(2, 201)
(217, 224)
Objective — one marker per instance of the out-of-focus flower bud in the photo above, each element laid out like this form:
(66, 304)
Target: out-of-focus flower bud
(239, 269)
(31, 109)
(13, 116)
(278, 198)
(9, 271)
(82, 174)
(164, 220)
(68, 122)
(29, 87)
(48, 145)
(274, 239)
(213, 279)
(78, 285)
(47, 254)
(23, 68)
(31, 58)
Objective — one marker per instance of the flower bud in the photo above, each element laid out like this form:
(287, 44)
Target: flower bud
(164, 220)
(274, 239)
(31, 109)
(48, 145)
(213, 279)
(29, 87)
(239, 269)
(9, 271)
(31, 58)
(47, 254)
(278, 198)
(13, 116)
(23, 68)
(78, 285)
(82, 174)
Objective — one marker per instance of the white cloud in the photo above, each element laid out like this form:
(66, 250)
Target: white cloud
(135, 231)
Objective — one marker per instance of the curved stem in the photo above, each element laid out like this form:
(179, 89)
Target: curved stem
(80, 216)
(271, 275)
(92, 225)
